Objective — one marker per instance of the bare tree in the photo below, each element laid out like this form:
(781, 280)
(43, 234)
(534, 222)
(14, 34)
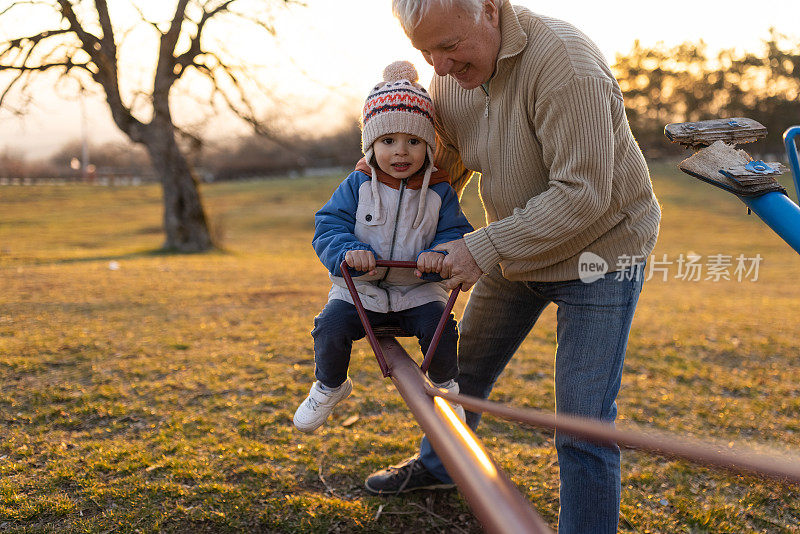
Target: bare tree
(84, 45)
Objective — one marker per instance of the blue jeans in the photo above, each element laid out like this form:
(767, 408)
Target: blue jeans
(338, 325)
(594, 321)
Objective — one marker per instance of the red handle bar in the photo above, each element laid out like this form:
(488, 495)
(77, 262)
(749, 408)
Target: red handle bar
(362, 314)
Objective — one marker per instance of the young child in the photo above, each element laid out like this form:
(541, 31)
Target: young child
(395, 206)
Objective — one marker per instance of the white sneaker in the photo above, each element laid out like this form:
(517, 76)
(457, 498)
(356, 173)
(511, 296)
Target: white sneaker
(319, 404)
(452, 387)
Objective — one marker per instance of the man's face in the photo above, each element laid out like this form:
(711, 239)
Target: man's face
(451, 41)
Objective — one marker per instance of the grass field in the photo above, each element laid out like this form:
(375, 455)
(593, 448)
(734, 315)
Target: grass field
(144, 392)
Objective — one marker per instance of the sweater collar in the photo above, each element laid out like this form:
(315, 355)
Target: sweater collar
(513, 38)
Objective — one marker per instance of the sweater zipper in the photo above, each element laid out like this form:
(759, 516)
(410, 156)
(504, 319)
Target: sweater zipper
(485, 88)
(485, 109)
(394, 234)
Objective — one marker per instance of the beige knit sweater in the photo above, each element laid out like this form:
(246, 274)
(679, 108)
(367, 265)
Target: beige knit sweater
(560, 171)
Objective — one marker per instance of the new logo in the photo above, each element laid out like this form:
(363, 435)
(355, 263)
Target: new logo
(591, 267)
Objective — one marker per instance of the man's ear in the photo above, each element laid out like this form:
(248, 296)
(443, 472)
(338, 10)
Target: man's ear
(492, 12)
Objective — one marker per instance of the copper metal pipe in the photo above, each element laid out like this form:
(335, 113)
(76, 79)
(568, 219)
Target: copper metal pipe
(426, 362)
(742, 461)
(362, 314)
(370, 334)
(493, 498)
(396, 263)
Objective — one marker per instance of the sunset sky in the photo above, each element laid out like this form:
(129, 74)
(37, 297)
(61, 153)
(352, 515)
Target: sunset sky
(328, 54)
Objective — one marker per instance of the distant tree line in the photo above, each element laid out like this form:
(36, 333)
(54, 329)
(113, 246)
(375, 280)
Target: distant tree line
(234, 159)
(683, 83)
(661, 85)
(255, 156)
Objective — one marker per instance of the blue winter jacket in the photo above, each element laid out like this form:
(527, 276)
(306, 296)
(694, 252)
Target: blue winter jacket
(348, 222)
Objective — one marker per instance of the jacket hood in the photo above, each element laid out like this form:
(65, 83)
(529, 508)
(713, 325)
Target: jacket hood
(413, 182)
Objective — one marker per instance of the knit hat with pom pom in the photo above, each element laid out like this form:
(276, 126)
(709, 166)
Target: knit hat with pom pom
(398, 105)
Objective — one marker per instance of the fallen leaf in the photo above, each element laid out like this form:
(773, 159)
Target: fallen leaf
(350, 420)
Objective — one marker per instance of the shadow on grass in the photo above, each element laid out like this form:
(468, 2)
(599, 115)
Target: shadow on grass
(147, 253)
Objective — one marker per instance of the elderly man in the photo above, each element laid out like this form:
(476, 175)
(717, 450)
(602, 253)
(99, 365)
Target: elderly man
(530, 103)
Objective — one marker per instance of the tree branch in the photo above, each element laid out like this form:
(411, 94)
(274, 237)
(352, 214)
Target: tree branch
(104, 59)
(269, 28)
(232, 85)
(22, 74)
(23, 2)
(90, 43)
(15, 57)
(165, 68)
(34, 40)
(245, 110)
(170, 39)
(68, 64)
(209, 15)
(109, 45)
(141, 16)
(187, 58)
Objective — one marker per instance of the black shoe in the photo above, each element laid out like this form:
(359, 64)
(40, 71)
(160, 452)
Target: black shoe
(409, 475)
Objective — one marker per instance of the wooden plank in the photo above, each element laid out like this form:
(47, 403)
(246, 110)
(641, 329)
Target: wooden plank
(390, 331)
(709, 163)
(734, 131)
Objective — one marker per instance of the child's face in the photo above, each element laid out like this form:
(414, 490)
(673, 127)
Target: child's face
(400, 155)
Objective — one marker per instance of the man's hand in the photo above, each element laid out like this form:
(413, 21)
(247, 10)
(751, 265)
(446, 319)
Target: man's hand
(429, 262)
(459, 267)
(361, 260)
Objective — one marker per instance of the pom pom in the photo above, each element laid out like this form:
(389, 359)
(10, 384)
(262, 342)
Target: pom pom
(400, 70)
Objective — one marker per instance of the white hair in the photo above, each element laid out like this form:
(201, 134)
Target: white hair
(410, 12)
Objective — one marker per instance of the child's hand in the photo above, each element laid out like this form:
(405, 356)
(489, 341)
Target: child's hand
(361, 260)
(429, 262)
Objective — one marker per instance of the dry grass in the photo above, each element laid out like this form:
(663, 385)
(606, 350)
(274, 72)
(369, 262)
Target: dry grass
(158, 396)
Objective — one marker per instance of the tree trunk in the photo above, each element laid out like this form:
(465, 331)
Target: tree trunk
(184, 218)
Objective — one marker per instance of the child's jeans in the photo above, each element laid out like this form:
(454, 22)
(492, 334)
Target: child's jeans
(338, 325)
